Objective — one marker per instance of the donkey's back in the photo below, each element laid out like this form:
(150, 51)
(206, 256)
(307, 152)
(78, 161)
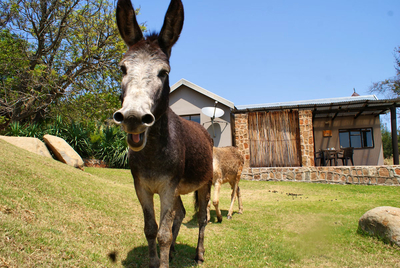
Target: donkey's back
(227, 164)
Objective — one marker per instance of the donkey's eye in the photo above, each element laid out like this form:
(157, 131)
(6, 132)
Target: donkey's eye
(123, 69)
(163, 73)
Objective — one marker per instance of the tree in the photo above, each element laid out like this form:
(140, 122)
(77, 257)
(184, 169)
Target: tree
(390, 86)
(386, 142)
(12, 63)
(68, 48)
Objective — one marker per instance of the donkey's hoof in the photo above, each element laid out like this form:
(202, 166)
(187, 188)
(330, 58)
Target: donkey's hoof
(229, 217)
(220, 220)
(154, 264)
(199, 260)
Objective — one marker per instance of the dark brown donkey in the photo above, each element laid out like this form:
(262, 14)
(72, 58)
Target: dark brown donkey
(168, 155)
(228, 166)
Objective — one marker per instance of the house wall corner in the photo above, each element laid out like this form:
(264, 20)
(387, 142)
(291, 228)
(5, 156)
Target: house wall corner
(306, 138)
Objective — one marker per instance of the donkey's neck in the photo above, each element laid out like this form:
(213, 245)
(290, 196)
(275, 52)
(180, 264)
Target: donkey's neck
(161, 148)
(159, 134)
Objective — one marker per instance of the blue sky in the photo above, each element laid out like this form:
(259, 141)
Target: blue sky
(261, 51)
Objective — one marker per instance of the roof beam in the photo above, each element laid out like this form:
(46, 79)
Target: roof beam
(336, 114)
(361, 111)
(354, 109)
(334, 108)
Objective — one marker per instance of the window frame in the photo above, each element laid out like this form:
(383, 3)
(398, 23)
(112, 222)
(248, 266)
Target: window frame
(189, 117)
(362, 136)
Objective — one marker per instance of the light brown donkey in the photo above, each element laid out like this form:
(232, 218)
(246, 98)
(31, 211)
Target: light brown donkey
(228, 166)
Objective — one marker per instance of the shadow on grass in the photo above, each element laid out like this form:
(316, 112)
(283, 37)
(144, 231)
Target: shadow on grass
(182, 257)
(213, 218)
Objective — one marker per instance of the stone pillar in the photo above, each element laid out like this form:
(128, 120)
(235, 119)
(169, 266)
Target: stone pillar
(242, 137)
(306, 138)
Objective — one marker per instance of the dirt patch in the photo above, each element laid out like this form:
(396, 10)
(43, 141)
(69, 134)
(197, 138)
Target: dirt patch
(95, 163)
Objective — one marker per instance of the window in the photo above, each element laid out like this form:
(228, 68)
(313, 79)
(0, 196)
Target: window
(356, 138)
(193, 117)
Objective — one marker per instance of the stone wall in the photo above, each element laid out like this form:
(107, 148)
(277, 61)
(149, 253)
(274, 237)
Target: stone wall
(242, 137)
(366, 175)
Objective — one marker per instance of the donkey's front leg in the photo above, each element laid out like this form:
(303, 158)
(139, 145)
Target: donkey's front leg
(165, 235)
(150, 224)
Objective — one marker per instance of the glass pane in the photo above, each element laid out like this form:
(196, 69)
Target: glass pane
(355, 141)
(187, 117)
(367, 138)
(344, 139)
(195, 118)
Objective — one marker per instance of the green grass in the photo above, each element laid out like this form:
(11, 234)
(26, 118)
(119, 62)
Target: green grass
(52, 215)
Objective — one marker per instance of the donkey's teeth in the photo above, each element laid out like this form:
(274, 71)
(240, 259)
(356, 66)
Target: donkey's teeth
(136, 138)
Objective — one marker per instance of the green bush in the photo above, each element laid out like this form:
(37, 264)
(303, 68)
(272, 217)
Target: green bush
(109, 144)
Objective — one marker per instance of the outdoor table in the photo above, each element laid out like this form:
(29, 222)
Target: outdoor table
(330, 154)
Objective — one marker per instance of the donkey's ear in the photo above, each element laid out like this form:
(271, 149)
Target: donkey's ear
(172, 26)
(127, 24)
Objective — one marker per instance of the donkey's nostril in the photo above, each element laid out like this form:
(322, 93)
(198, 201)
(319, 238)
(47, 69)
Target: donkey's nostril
(118, 117)
(148, 119)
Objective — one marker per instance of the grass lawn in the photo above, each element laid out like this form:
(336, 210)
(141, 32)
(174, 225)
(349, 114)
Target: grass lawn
(52, 215)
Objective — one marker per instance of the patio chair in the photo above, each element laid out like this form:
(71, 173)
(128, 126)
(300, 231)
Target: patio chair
(319, 157)
(346, 154)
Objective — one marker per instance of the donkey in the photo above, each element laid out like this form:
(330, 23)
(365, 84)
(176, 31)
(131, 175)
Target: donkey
(168, 155)
(227, 166)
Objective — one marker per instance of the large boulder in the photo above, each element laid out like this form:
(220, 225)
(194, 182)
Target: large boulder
(30, 144)
(382, 222)
(63, 151)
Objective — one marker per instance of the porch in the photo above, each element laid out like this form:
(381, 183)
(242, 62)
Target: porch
(295, 159)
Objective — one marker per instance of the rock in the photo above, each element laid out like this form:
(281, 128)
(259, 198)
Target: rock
(382, 222)
(63, 151)
(30, 144)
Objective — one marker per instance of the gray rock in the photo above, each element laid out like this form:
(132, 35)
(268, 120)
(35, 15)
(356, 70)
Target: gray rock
(382, 222)
(30, 144)
(63, 151)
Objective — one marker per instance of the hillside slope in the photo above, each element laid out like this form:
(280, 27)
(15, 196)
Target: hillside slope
(53, 215)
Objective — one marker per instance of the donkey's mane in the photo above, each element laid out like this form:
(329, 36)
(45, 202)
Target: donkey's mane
(149, 42)
(152, 36)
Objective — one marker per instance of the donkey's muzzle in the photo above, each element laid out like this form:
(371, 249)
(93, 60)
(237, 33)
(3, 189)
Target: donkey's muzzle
(133, 122)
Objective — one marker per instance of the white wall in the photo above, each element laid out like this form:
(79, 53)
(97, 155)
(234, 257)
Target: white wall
(185, 101)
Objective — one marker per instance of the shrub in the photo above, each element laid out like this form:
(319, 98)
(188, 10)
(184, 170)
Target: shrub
(110, 146)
